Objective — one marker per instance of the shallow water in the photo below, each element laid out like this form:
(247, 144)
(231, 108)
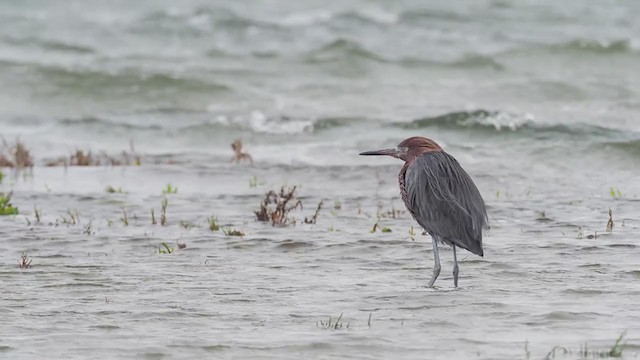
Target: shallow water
(537, 101)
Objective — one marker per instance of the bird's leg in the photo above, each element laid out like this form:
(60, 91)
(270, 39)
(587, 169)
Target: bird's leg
(436, 267)
(455, 267)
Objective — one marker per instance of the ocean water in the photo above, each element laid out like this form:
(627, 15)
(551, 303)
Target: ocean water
(538, 100)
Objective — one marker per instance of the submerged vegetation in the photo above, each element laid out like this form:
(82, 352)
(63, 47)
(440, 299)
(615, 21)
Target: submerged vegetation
(616, 351)
(229, 231)
(15, 155)
(169, 189)
(213, 223)
(377, 226)
(111, 190)
(276, 206)
(165, 249)
(24, 262)
(87, 158)
(238, 154)
(610, 223)
(332, 325)
(6, 208)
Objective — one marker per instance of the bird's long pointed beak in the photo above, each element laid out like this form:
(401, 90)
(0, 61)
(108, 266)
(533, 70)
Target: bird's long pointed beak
(389, 152)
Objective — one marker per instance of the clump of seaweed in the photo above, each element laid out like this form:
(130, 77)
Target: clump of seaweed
(6, 208)
(276, 206)
(24, 262)
(238, 155)
(15, 156)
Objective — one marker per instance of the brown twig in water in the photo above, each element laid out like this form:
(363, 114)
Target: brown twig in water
(238, 154)
(163, 212)
(314, 218)
(24, 262)
(610, 223)
(279, 215)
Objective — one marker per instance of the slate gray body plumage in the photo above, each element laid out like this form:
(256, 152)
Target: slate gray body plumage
(441, 197)
(444, 200)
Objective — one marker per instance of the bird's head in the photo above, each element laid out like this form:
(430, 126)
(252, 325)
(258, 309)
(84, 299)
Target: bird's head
(408, 149)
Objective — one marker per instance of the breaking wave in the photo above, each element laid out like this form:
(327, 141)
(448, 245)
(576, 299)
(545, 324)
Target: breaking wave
(494, 122)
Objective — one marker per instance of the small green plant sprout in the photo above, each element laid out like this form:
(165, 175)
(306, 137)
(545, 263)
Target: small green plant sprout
(111, 190)
(124, 218)
(377, 226)
(153, 217)
(165, 249)
(412, 233)
(610, 223)
(580, 233)
(314, 218)
(253, 181)
(6, 208)
(1, 176)
(615, 193)
(331, 325)
(163, 212)
(213, 223)
(229, 231)
(618, 347)
(24, 262)
(170, 189)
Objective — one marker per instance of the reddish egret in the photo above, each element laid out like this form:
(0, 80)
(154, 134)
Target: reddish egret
(441, 197)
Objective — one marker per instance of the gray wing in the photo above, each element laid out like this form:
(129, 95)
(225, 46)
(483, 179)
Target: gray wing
(445, 201)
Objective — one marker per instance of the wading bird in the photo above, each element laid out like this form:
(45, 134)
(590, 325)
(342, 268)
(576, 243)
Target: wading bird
(441, 197)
